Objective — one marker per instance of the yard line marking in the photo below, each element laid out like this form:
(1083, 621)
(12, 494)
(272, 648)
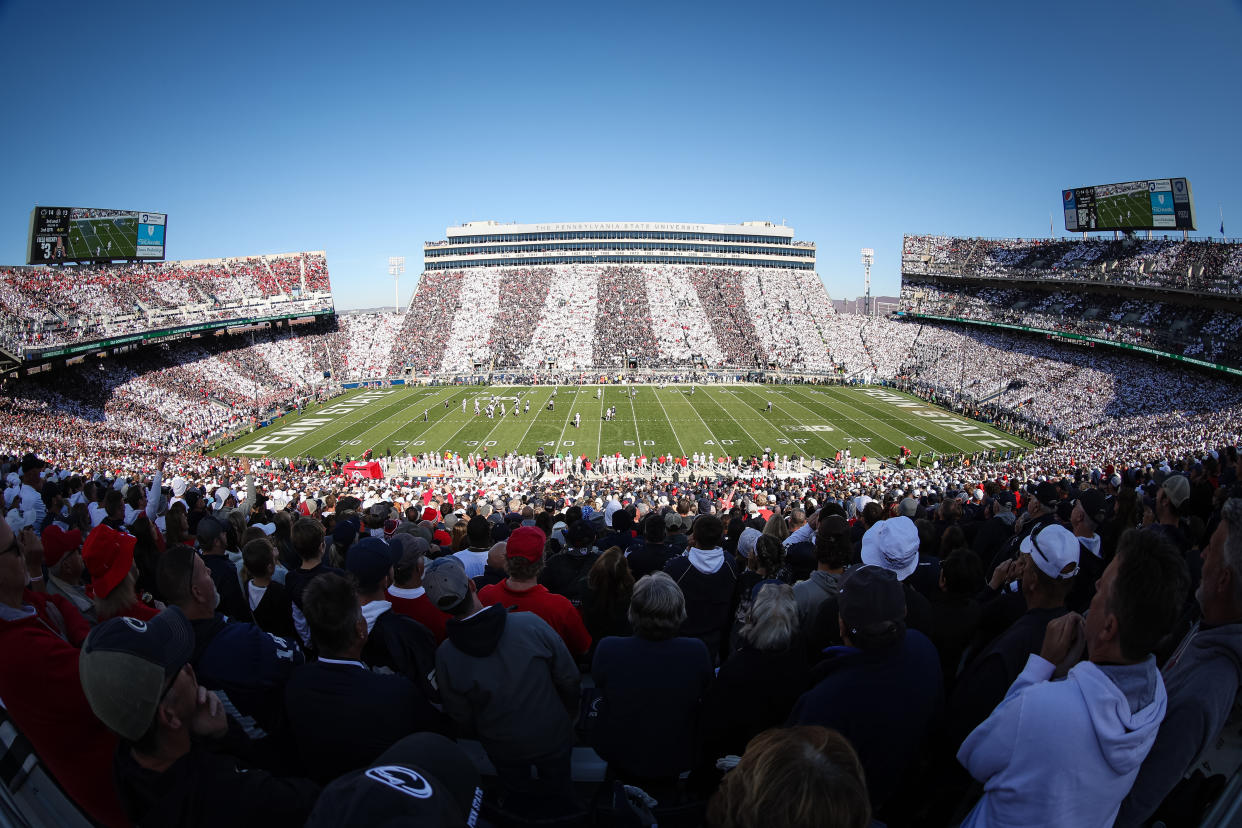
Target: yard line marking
(673, 428)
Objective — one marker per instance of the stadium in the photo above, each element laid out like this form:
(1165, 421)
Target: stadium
(618, 389)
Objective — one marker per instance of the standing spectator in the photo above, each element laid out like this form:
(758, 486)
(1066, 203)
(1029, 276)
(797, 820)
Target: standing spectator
(308, 542)
(39, 639)
(794, 777)
(1067, 752)
(882, 690)
(759, 684)
(508, 680)
(62, 553)
(334, 733)
(522, 592)
(1202, 676)
(407, 594)
(213, 544)
(269, 602)
(652, 683)
(246, 666)
(109, 557)
(394, 641)
(610, 584)
(709, 582)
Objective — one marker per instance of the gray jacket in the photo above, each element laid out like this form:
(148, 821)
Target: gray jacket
(1202, 678)
(507, 679)
(809, 594)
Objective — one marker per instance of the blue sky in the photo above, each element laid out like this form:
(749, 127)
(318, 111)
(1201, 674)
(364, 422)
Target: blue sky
(364, 129)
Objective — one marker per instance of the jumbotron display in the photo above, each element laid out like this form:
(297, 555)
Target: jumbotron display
(1154, 204)
(66, 234)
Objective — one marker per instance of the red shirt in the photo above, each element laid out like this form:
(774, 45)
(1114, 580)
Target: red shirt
(555, 609)
(421, 610)
(43, 694)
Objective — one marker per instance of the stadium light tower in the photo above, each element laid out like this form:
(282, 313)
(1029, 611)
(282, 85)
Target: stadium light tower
(868, 256)
(396, 266)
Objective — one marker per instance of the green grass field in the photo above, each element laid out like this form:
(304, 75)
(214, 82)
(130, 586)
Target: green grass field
(720, 420)
(1127, 210)
(88, 235)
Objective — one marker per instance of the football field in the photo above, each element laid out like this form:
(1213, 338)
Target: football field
(809, 421)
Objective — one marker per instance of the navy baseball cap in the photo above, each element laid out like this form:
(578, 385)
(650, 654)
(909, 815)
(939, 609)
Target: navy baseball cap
(369, 560)
(424, 779)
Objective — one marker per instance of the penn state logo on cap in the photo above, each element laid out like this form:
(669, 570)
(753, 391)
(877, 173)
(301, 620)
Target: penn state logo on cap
(403, 780)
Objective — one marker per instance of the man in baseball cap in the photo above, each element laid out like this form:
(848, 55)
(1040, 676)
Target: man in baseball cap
(138, 681)
(885, 685)
(510, 679)
(522, 591)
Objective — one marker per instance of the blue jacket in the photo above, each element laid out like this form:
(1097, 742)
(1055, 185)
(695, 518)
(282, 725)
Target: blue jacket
(343, 716)
(883, 700)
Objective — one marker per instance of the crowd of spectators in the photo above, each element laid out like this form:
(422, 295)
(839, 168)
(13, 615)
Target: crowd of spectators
(361, 347)
(1201, 266)
(1202, 332)
(896, 630)
(599, 316)
(47, 306)
(622, 317)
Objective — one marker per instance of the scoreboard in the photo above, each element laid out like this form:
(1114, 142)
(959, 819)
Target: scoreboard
(1153, 204)
(67, 234)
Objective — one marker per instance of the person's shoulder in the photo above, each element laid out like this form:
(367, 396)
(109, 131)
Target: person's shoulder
(676, 564)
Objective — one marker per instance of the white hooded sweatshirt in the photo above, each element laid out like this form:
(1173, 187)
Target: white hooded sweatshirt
(1064, 752)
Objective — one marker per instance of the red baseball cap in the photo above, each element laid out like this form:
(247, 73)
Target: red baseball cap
(526, 543)
(109, 556)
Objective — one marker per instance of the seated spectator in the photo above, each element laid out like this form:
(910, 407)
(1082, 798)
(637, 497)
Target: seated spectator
(522, 592)
(334, 733)
(1201, 677)
(651, 684)
(507, 680)
(39, 639)
(173, 767)
(758, 685)
(1068, 752)
(709, 582)
(794, 777)
(407, 594)
(882, 689)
